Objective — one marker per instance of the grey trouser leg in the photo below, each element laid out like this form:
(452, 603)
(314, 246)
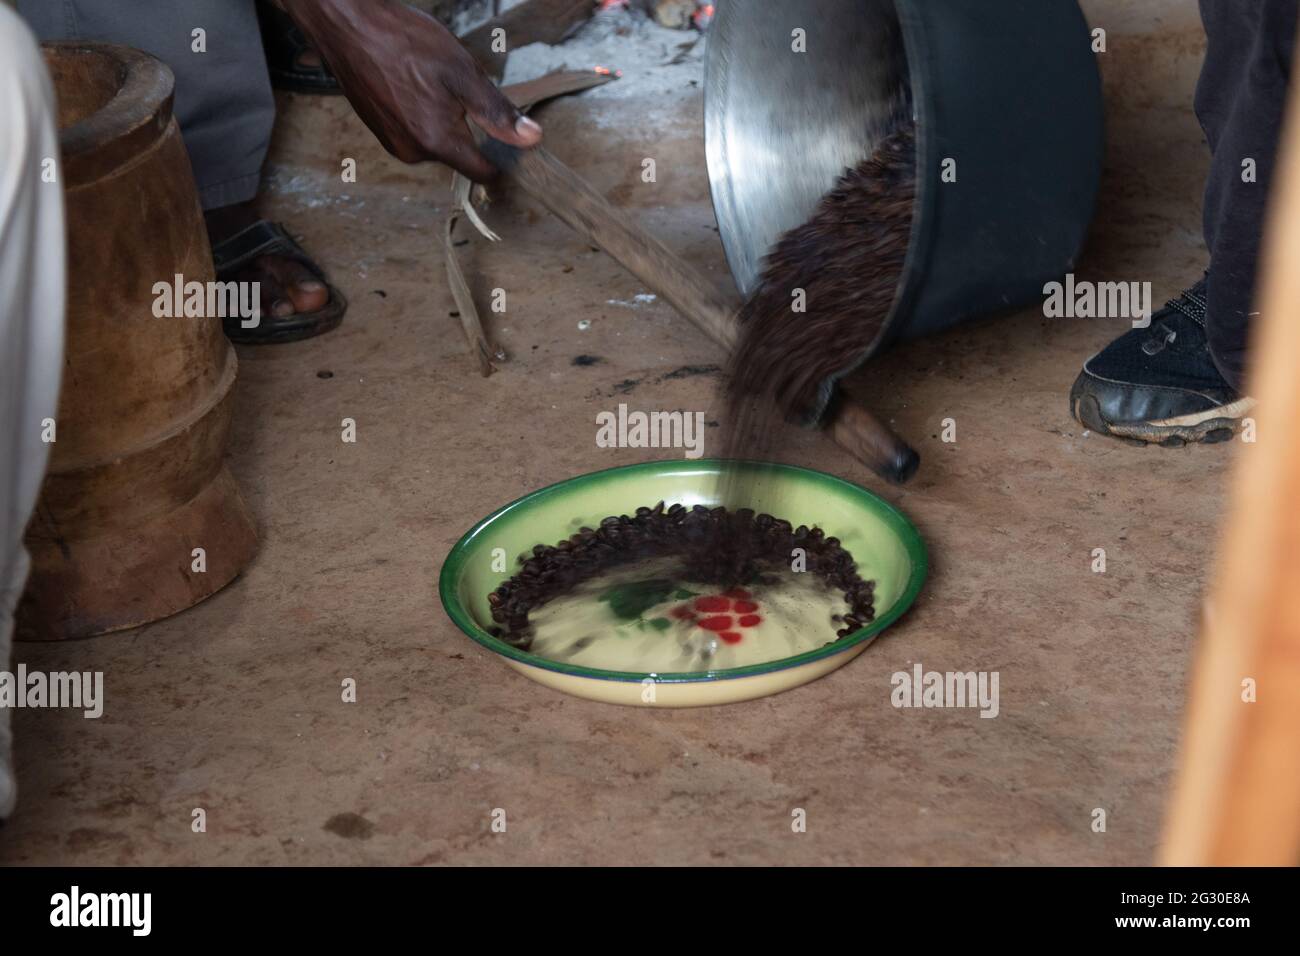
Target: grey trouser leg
(223, 96)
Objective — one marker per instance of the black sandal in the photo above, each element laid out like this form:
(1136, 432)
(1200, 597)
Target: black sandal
(269, 238)
(285, 44)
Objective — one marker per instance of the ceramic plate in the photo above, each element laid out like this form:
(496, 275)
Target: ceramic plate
(887, 547)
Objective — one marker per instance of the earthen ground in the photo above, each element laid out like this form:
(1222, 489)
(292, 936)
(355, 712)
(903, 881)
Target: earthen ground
(234, 706)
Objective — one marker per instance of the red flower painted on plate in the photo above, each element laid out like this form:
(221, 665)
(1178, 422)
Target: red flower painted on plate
(712, 604)
(728, 613)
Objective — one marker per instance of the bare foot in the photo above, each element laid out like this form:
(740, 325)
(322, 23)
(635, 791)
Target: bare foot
(288, 287)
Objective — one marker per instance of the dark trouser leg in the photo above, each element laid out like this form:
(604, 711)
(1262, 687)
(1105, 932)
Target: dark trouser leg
(1240, 101)
(223, 96)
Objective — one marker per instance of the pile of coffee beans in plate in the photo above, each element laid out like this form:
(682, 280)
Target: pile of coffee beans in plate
(714, 546)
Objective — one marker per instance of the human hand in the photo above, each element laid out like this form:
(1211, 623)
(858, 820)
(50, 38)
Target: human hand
(411, 82)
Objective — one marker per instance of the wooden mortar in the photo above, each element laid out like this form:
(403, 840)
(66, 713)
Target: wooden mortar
(136, 479)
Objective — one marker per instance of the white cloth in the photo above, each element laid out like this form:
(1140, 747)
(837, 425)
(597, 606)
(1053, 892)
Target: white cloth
(32, 296)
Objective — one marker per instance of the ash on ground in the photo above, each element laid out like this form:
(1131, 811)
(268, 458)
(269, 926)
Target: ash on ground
(661, 67)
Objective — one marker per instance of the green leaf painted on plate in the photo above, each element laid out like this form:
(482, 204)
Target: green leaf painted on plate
(630, 601)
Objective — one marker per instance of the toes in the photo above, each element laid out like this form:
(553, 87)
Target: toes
(302, 288)
(272, 298)
(287, 286)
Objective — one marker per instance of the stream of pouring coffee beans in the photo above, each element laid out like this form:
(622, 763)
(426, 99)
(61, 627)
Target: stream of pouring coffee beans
(846, 263)
(847, 260)
(714, 546)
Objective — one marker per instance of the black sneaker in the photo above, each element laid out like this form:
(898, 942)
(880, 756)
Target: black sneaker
(1159, 384)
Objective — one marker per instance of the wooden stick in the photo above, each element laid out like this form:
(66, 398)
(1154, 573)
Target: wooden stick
(479, 344)
(872, 442)
(534, 92)
(1237, 799)
(525, 96)
(574, 201)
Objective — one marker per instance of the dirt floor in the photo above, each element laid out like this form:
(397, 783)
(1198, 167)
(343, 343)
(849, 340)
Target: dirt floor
(235, 705)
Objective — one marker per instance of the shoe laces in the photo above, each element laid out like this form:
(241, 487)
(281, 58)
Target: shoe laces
(1191, 304)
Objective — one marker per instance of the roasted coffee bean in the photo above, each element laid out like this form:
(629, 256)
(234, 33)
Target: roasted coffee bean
(724, 548)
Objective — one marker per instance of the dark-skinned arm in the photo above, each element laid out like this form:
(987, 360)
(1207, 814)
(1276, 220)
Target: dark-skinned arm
(411, 81)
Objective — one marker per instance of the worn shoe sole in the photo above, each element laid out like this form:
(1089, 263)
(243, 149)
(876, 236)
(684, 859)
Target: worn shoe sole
(1210, 427)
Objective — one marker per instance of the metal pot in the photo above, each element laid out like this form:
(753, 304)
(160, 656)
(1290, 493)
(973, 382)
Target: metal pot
(1008, 89)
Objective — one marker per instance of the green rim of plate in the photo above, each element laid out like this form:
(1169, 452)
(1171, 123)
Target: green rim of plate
(895, 519)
